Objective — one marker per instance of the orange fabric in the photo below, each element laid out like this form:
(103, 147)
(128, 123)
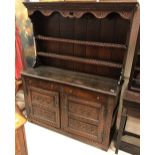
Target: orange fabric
(18, 56)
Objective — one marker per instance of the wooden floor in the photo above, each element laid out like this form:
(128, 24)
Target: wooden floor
(41, 141)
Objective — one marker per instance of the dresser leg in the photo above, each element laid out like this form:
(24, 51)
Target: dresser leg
(121, 129)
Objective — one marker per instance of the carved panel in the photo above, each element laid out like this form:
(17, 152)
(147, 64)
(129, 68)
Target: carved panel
(83, 114)
(44, 105)
(83, 110)
(44, 114)
(42, 99)
(83, 127)
(79, 14)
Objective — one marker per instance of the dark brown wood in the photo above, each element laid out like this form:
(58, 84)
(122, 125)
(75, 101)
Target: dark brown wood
(81, 80)
(44, 105)
(131, 107)
(78, 42)
(74, 86)
(83, 117)
(134, 81)
(121, 129)
(132, 96)
(95, 31)
(131, 102)
(80, 60)
(84, 114)
(130, 148)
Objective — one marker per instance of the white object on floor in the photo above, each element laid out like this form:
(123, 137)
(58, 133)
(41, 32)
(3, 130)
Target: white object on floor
(20, 99)
(41, 141)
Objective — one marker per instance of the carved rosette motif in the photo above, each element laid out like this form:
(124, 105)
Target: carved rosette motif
(79, 14)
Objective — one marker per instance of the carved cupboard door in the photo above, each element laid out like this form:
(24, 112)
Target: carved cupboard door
(43, 106)
(82, 114)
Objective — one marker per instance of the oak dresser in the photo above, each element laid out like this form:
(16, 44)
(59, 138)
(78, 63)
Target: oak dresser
(74, 86)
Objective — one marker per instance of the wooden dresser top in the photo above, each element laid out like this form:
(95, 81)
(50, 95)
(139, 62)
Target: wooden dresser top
(81, 80)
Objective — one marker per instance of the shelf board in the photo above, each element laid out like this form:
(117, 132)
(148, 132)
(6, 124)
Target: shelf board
(131, 96)
(80, 42)
(80, 60)
(135, 88)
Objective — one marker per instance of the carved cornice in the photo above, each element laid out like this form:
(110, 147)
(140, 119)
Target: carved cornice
(78, 14)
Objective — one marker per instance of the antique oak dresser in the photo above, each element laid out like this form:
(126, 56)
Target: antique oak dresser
(81, 47)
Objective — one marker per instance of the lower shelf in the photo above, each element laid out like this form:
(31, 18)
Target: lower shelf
(130, 148)
(80, 60)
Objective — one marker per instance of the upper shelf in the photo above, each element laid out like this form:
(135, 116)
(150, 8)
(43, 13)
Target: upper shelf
(88, 43)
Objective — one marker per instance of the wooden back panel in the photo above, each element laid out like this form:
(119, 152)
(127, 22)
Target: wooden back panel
(112, 29)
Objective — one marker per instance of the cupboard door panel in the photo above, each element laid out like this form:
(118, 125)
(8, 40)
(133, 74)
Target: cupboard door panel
(83, 115)
(44, 106)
